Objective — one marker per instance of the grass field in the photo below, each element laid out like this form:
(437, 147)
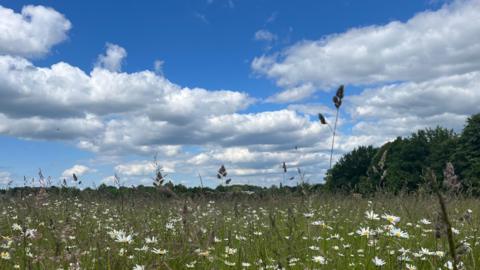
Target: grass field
(283, 232)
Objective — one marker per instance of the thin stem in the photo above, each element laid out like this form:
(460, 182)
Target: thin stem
(451, 242)
(333, 138)
(201, 180)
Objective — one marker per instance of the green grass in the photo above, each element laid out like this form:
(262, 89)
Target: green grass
(266, 233)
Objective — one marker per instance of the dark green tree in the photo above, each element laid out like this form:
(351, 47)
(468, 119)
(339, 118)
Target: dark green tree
(348, 171)
(407, 159)
(467, 156)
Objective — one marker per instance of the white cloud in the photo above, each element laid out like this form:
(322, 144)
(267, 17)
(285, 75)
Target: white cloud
(78, 170)
(421, 73)
(458, 94)
(429, 45)
(32, 32)
(312, 109)
(109, 180)
(112, 59)
(113, 113)
(158, 66)
(110, 112)
(63, 102)
(293, 94)
(63, 90)
(143, 168)
(136, 169)
(50, 129)
(265, 35)
(400, 109)
(5, 178)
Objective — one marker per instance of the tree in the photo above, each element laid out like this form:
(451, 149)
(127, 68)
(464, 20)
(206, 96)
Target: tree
(408, 158)
(397, 165)
(467, 156)
(349, 170)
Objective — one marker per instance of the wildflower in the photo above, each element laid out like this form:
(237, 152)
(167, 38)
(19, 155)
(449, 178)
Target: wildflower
(371, 215)
(159, 251)
(378, 262)
(230, 251)
(390, 218)
(425, 251)
(139, 267)
(229, 263)
(30, 233)
(425, 221)
(191, 265)
(398, 233)
(122, 237)
(5, 255)
(439, 253)
(151, 240)
(318, 223)
(143, 248)
(308, 215)
(246, 264)
(16, 227)
(410, 267)
(364, 232)
(203, 253)
(319, 259)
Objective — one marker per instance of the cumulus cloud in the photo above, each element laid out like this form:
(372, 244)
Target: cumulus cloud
(32, 32)
(424, 72)
(63, 101)
(112, 59)
(429, 45)
(399, 109)
(78, 170)
(420, 73)
(110, 112)
(117, 113)
(50, 129)
(457, 94)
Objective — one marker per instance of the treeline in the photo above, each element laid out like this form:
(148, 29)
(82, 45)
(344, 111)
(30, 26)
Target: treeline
(401, 165)
(169, 190)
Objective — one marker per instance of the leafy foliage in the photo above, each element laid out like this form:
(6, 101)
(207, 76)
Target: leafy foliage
(399, 165)
(467, 156)
(348, 172)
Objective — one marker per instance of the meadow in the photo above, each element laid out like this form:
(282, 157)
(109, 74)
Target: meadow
(236, 231)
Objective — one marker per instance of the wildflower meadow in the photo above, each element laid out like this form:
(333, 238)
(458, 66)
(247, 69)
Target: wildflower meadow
(236, 231)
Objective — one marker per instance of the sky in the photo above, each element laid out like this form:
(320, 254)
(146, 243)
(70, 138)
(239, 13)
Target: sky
(98, 88)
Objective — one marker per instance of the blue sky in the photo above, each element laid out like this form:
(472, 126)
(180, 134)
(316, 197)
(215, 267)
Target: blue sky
(239, 67)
